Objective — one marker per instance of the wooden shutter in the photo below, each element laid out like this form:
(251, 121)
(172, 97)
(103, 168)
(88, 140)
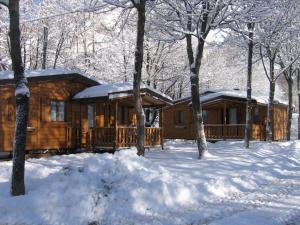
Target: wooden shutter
(45, 108)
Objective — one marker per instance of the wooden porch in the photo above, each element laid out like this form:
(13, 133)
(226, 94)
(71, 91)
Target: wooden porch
(232, 131)
(112, 138)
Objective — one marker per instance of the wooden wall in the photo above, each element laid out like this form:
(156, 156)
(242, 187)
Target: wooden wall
(173, 130)
(42, 132)
(218, 114)
(280, 122)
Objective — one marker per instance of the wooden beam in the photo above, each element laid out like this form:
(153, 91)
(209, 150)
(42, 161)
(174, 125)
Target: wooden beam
(161, 117)
(224, 120)
(116, 124)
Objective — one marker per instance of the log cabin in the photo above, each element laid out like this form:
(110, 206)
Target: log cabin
(69, 110)
(224, 115)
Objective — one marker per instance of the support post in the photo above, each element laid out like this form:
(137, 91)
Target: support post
(116, 125)
(162, 128)
(224, 121)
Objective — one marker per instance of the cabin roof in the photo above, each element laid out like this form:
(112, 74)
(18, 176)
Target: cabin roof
(119, 90)
(6, 77)
(216, 94)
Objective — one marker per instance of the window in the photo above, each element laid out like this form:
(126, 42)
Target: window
(122, 115)
(256, 115)
(91, 116)
(205, 116)
(180, 118)
(232, 116)
(57, 111)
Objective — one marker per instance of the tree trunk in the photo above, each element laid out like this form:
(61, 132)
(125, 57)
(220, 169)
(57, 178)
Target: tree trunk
(270, 120)
(37, 54)
(196, 103)
(249, 86)
(290, 106)
(298, 90)
(138, 64)
(22, 98)
(45, 46)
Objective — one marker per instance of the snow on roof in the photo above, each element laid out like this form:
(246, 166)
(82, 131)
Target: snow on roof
(212, 94)
(114, 90)
(233, 94)
(4, 75)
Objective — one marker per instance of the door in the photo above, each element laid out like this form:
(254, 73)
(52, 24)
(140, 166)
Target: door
(87, 124)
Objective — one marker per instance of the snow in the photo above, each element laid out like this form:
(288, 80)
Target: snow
(22, 89)
(231, 185)
(45, 72)
(211, 94)
(113, 91)
(294, 127)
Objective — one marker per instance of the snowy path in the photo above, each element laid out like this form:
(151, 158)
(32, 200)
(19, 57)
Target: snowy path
(273, 202)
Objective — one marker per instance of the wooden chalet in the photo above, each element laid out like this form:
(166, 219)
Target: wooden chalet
(224, 114)
(108, 116)
(69, 110)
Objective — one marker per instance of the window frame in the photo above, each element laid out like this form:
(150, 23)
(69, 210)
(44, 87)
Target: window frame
(231, 119)
(59, 107)
(91, 123)
(180, 121)
(256, 115)
(205, 116)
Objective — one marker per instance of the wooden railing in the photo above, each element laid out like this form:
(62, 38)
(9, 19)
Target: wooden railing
(104, 136)
(153, 136)
(112, 137)
(126, 136)
(234, 131)
(228, 131)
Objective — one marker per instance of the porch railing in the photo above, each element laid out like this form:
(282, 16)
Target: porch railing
(233, 131)
(228, 131)
(112, 137)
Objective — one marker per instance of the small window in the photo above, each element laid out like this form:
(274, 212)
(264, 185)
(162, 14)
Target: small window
(57, 111)
(122, 115)
(205, 116)
(256, 115)
(180, 118)
(232, 116)
(91, 116)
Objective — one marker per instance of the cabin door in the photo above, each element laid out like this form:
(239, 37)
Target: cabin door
(87, 124)
(32, 140)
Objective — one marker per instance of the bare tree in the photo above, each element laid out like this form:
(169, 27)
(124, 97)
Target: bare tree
(22, 99)
(273, 32)
(137, 76)
(248, 127)
(191, 20)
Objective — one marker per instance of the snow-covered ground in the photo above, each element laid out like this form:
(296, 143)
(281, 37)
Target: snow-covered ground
(294, 128)
(230, 186)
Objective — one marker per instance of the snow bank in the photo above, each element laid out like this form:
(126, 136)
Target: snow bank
(171, 187)
(78, 189)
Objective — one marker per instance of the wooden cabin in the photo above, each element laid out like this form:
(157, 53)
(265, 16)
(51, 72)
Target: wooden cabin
(62, 117)
(108, 116)
(224, 115)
